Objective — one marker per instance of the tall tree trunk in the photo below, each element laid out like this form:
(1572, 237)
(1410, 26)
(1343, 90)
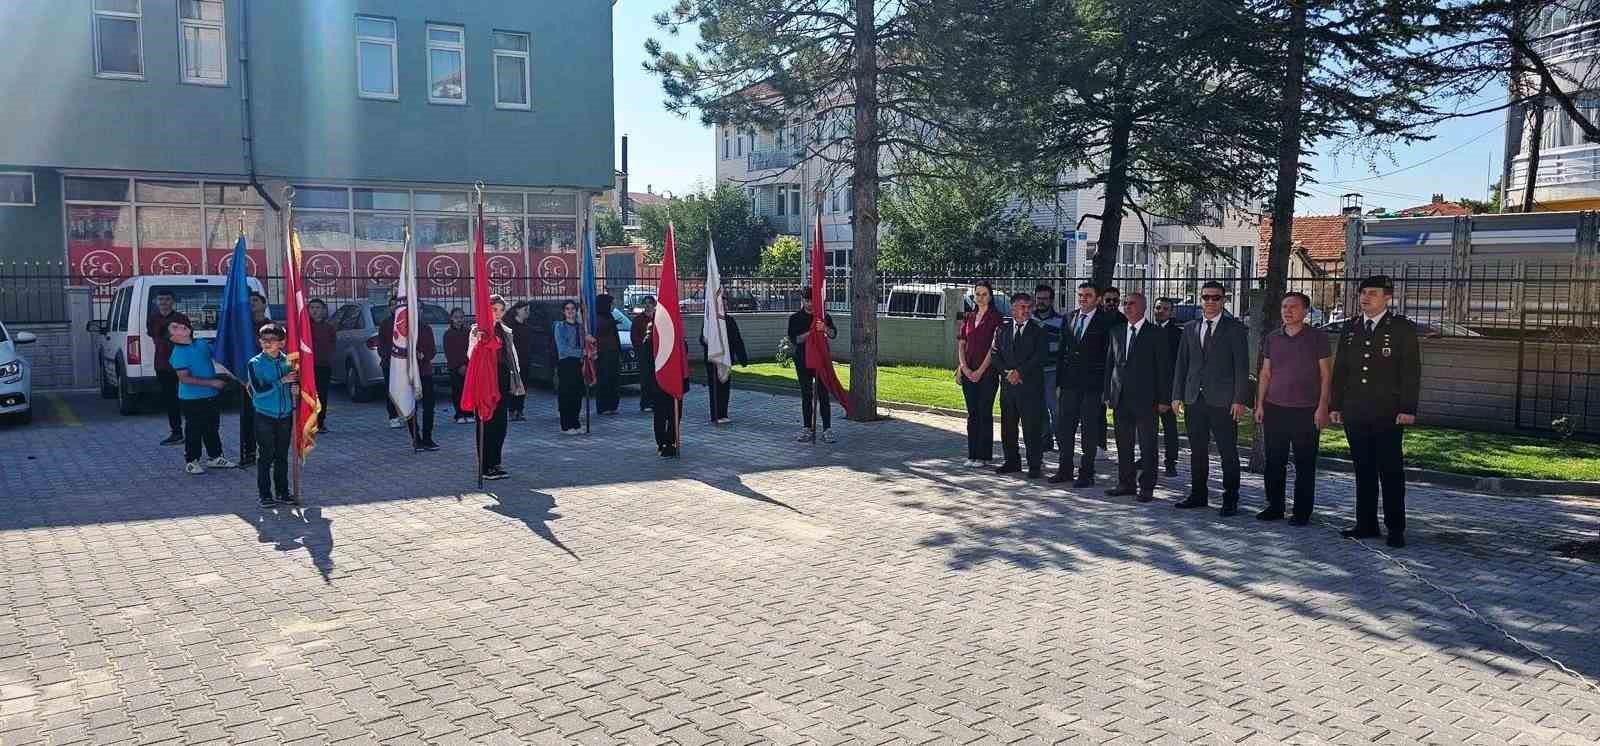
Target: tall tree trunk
(1105, 255)
(1536, 141)
(1277, 279)
(864, 232)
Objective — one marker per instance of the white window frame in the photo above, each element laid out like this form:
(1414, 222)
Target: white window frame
(393, 43)
(221, 27)
(460, 48)
(527, 71)
(33, 189)
(94, 32)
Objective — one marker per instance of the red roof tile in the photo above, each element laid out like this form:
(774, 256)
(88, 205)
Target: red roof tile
(1322, 236)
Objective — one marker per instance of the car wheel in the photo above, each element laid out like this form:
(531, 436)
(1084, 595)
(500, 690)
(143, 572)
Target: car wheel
(127, 401)
(353, 385)
(107, 391)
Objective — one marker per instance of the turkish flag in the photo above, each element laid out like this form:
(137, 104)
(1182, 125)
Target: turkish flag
(672, 365)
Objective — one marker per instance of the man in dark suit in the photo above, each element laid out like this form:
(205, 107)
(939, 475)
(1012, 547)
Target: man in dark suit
(1138, 376)
(1080, 381)
(1377, 379)
(1210, 385)
(1173, 333)
(1020, 348)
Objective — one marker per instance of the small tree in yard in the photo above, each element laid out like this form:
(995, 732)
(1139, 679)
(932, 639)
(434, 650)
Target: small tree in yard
(955, 214)
(781, 259)
(608, 230)
(725, 211)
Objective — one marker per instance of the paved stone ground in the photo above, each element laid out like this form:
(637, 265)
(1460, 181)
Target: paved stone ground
(755, 591)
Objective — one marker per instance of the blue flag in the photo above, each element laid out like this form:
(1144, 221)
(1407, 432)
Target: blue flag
(587, 284)
(236, 341)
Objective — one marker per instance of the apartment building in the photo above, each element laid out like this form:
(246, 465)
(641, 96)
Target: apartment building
(1568, 37)
(141, 133)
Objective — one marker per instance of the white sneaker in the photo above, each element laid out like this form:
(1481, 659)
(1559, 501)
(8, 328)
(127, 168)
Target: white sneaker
(807, 436)
(194, 467)
(573, 431)
(461, 420)
(220, 462)
(827, 436)
(724, 420)
(969, 463)
(395, 423)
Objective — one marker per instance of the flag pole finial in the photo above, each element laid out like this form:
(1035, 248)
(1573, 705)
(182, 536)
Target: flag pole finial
(478, 187)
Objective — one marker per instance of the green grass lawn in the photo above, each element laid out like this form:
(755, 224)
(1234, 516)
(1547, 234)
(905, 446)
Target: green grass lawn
(1458, 451)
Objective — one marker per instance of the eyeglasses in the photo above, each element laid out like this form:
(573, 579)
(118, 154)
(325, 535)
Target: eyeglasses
(1210, 297)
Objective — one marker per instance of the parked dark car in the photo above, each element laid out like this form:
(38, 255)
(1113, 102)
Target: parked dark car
(542, 315)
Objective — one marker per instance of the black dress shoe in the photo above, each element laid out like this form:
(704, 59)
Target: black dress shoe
(1061, 477)
(669, 452)
(1034, 472)
(1172, 470)
(1120, 491)
(1146, 496)
(1228, 511)
(1361, 533)
(173, 439)
(1190, 503)
(1008, 468)
(429, 445)
(1398, 541)
(1299, 521)
(1083, 482)
(1270, 514)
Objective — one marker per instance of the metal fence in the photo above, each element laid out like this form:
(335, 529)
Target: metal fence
(1513, 304)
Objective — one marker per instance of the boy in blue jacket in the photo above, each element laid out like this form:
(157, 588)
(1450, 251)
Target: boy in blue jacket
(270, 376)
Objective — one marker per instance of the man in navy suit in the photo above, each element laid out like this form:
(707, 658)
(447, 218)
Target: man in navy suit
(1138, 377)
(1210, 385)
(1080, 382)
(1020, 348)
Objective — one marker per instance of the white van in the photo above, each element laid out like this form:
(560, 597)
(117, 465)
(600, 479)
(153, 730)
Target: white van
(126, 360)
(926, 300)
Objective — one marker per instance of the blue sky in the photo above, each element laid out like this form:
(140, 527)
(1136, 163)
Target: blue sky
(671, 153)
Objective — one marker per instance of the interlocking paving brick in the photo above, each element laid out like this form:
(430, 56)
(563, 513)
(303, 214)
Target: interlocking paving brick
(754, 591)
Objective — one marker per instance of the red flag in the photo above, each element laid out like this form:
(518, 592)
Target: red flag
(302, 351)
(671, 365)
(481, 392)
(819, 356)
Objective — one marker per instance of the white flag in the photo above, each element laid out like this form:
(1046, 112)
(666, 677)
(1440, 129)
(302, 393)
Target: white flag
(716, 324)
(405, 379)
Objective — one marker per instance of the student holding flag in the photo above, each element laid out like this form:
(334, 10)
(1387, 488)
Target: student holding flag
(406, 384)
(308, 350)
(670, 351)
(269, 377)
(810, 330)
(236, 342)
(608, 357)
(720, 339)
(492, 371)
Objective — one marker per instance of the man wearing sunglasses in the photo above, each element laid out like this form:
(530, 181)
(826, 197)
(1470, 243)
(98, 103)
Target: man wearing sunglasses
(1210, 384)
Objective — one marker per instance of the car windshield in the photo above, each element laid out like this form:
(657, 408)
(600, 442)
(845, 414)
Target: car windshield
(201, 303)
(3, 336)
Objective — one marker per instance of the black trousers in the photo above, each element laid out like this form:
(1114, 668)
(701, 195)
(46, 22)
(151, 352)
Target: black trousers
(324, 376)
(1207, 424)
(666, 416)
(247, 426)
(494, 435)
(812, 390)
(1136, 424)
(424, 413)
(169, 399)
(1286, 429)
(1169, 433)
(979, 396)
(608, 377)
(569, 392)
(647, 384)
(1020, 405)
(201, 424)
(388, 403)
(273, 437)
(721, 392)
(1081, 413)
(458, 384)
(1377, 452)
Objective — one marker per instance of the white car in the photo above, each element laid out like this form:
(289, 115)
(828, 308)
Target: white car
(127, 353)
(16, 377)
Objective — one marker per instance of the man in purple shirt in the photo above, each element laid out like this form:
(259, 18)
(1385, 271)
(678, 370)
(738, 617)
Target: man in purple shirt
(1294, 384)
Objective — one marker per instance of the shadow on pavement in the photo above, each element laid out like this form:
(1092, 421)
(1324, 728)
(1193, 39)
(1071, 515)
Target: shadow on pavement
(536, 511)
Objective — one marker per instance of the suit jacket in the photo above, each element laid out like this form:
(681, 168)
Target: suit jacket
(1025, 353)
(1219, 374)
(1174, 336)
(1379, 375)
(1081, 363)
(1138, 379)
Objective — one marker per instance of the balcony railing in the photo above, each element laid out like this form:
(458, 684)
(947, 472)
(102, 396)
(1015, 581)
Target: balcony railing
(762, 160)
(1556, 169)
(1574, 39)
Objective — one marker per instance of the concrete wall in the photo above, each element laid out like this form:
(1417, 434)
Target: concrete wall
(51, 356)
(1472, 383)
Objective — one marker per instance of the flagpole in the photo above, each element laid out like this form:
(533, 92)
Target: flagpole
(476, 419)
(297, 461)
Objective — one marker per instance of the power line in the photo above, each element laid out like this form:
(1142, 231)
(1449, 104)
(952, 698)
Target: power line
(1424, 162)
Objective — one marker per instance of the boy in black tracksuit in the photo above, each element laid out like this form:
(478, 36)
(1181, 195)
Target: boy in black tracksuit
(270, 377)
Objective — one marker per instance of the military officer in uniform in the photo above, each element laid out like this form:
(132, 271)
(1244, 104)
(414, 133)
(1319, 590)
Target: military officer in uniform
(1377, 377)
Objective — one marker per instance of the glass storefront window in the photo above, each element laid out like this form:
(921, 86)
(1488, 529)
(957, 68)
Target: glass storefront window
(503, 234)
(96, 190)
(552, 235)
(380, 199)
(328, 198)
(179, 192)
(322, 231)
(442, 234)
(507, 202)
(540, 203)
(379, 232)
(442, 201)
(231, 194)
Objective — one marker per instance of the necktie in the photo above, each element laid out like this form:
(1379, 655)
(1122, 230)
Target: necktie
(1205, 339)
(1369, 326)
(1077, 327)
(1017, 333)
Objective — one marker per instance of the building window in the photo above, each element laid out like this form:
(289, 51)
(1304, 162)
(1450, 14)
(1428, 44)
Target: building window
(16, 190)
(727, 145)
(377, 69)
(512, 80)
(740, 143)
(794, 201)
(447, 71)
(118, 39)
(783, 202)
(202, 42)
